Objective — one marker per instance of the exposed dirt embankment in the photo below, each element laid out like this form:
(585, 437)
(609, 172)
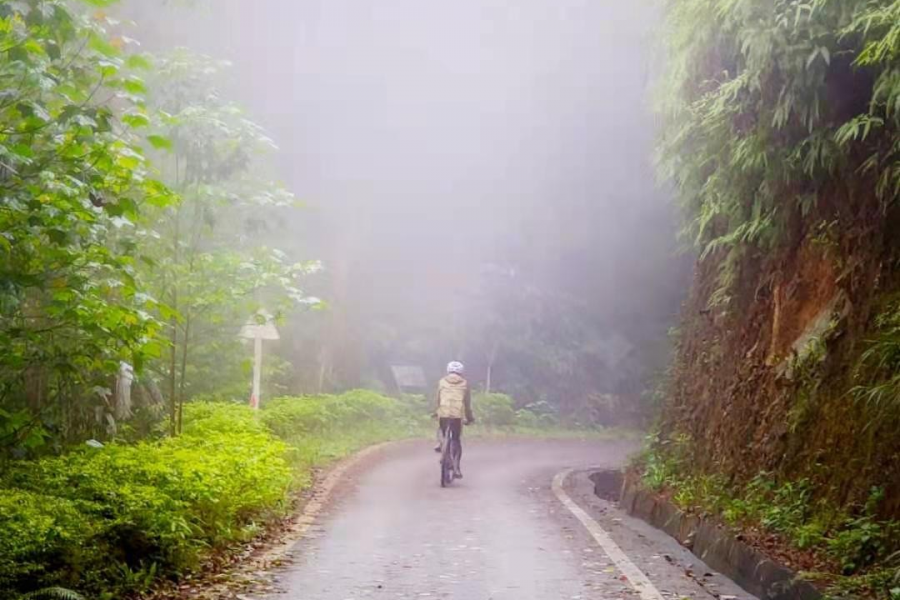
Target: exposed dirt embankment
(765, 383)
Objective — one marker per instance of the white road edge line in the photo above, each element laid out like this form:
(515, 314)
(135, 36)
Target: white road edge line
(641, 584)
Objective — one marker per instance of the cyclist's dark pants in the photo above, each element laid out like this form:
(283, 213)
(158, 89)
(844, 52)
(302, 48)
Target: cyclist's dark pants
(455, 426)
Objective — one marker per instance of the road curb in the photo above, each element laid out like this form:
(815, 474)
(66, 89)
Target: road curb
(636, 578)
(255, 574)
(716, 547)
(319, 497)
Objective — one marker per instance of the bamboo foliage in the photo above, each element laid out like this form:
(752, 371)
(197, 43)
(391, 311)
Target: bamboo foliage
(766, 105)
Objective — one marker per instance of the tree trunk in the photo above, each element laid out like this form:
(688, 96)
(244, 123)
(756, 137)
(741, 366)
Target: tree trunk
(324, 367)
(492, 357)
(35, 387)
(184, 357)
(173, 362)
(173, 404)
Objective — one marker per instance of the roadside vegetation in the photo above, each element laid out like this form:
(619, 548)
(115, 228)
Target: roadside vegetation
(113, 520)
(847, 550)
(496, 415)
(781, 134)
(119, 518)
(134, 208)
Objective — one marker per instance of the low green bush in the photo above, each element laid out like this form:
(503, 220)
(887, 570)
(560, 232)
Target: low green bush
(417, 404)
(494, 411)
(527, 419)
(853, 543)
(302, 416)
(95, 517)
(42, 536)
(289, 417)
(110, 521)
(324, 427)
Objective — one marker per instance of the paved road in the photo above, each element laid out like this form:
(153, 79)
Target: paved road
(498, 534)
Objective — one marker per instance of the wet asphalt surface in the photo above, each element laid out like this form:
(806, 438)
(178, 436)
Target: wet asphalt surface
(497, 534)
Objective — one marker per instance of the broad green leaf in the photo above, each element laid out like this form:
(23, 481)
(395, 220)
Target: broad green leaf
(136, 120)
(102, 45)
(160, 142)
(138, 62)
(134, 86)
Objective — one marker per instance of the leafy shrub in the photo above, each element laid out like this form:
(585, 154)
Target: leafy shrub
(537, 415)
(41, 535)
(494, 410)
(809, 535)
(789, 508)
(220, 417)
(416, 403)
(117, 487)
(319, 428)
(289, 417)
(93, 516)
(527, 419)
(367, 405)
(659, 471)
(542, 409)
(857, 544)
(862, 542)
(115, 518)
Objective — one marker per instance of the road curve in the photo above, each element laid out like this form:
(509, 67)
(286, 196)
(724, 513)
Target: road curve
(498, 534)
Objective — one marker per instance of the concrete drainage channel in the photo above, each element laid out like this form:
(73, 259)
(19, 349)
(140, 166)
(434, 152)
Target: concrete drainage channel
(715, 546)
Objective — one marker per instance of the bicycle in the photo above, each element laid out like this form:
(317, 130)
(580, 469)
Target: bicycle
(449, 446)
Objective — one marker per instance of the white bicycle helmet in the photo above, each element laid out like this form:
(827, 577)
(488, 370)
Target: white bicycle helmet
(455, 367)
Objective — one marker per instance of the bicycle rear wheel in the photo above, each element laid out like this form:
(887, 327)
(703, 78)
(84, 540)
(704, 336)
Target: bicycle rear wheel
(447, 460)
(445, 478)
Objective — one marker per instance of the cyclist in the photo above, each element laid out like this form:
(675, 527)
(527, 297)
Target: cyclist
(454, 401)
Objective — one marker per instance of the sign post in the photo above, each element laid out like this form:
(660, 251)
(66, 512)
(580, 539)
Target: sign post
(256, 331)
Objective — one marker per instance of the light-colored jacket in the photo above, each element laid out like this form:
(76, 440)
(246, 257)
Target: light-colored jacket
(454, 400)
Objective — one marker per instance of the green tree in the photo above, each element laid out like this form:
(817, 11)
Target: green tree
(209, 263)
(74, 180)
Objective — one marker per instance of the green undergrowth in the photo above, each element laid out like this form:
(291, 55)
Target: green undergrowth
(856, 553)
(558, 432)
(320, 429)
(496, 416)
(113, 520)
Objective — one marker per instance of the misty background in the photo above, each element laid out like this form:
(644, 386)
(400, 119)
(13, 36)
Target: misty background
(476, 179)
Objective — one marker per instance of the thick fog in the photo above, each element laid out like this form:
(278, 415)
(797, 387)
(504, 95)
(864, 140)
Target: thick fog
(428, 139)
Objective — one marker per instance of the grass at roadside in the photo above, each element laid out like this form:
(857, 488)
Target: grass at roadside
(496, 416)
(556, 432)
(111, 521)
(849, 550)
(321, 429)
(115, 520)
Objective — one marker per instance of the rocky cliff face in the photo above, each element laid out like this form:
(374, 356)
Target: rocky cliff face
(776, 379)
